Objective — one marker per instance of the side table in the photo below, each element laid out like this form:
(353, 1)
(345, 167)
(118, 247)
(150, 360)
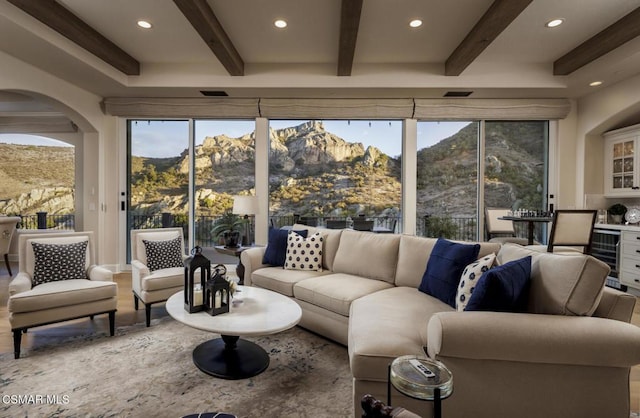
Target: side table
(235, 251)
(420, 378)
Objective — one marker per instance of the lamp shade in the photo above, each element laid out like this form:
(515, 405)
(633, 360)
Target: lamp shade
(245, 205)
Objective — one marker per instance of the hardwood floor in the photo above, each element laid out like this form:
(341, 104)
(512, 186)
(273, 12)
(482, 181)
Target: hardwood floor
(127, 315)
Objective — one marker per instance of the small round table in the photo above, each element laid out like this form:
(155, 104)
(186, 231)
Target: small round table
(261, 312)
(433, 383)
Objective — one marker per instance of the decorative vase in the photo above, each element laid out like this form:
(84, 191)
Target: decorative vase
(231, 239)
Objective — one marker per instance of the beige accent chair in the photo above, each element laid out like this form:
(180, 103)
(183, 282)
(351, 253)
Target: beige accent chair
(153, 286)
(571, 232)
(62, 300)
(8, 226)
(499, 230)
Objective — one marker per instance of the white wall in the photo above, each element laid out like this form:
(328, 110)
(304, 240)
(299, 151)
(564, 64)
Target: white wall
(83, 108)
(605, 109)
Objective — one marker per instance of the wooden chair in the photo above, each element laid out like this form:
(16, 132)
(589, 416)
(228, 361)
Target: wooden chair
(572, 228)
(499, 230)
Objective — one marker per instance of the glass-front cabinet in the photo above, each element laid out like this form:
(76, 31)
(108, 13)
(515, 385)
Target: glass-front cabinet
(622, 162)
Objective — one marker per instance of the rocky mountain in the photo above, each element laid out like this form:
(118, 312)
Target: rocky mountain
(312, 171)
(36, 179)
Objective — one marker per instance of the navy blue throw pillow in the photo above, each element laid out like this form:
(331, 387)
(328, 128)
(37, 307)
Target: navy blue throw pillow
(276, 250)
(444, 269)
(503, 288)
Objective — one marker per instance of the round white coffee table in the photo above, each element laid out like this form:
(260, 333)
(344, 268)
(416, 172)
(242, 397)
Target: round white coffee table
(261, 312)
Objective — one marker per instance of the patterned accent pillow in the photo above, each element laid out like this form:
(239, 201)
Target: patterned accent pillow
(163, 254)
(304, 253)
(469, 279)
(56, 262)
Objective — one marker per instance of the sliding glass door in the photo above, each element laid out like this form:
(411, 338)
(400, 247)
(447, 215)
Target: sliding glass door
(447, 180)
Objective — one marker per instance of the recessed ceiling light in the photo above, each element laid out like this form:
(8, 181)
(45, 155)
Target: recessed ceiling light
(144, 24)
(553, 23)
(280, 23)
(595, 83)
(415, 23)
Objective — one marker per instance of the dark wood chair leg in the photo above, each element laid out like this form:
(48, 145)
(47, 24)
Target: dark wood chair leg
(6, 262)
(147, 311)
(112, 323)
(17, 338)
(135, 302)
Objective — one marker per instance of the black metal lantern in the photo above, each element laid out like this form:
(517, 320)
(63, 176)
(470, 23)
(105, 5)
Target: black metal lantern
(194, 286)
(217, 292)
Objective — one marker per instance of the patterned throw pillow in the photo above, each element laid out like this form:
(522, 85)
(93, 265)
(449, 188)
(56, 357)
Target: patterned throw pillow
(469, 279)
(164, 254)
(55, 262)
(304, 253)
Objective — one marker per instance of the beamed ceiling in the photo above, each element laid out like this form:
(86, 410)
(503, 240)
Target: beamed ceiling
(330, 48)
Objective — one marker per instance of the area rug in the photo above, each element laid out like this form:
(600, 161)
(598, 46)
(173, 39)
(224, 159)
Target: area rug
(149, 372)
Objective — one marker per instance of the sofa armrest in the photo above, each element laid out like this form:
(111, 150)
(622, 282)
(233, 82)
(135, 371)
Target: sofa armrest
(99, 273)
(252, 260)
(551, 339)
(20, 283)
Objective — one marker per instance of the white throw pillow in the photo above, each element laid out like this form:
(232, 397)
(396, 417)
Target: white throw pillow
(304, 253)
(470, 277)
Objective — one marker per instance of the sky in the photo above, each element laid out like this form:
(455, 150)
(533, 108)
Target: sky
(31, 140)
(158, 139)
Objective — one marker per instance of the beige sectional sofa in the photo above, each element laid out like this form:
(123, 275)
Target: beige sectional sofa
(569, 356)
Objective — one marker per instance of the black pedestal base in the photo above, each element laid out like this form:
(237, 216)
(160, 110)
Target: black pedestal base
(230, 358)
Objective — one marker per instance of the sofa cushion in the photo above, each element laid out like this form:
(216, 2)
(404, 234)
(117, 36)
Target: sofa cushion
(444, 269)
(163, 254)
(61, 293)
(470, 277)
(368, 255)
(503, 288)
(331, 241)
(304, 253)
(276, 250)
(414, 252)
(561, 284)
(388, 324)
(281, 280)
(335, 292)
(55, 262)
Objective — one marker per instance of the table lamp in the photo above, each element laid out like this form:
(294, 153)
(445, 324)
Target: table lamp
(246, 206)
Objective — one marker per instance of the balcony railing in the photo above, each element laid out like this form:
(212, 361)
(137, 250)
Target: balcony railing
(456, 228)
(42, 220)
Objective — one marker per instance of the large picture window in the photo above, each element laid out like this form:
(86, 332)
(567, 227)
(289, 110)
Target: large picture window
(335, 173)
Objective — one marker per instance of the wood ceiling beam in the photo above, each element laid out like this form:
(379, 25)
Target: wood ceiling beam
(58, 18)
(349, 24)
(496, 19)
(600, 44)
(205, 22)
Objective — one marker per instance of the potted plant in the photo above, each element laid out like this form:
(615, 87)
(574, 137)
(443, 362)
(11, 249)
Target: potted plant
(617, 211)
(228, 227)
